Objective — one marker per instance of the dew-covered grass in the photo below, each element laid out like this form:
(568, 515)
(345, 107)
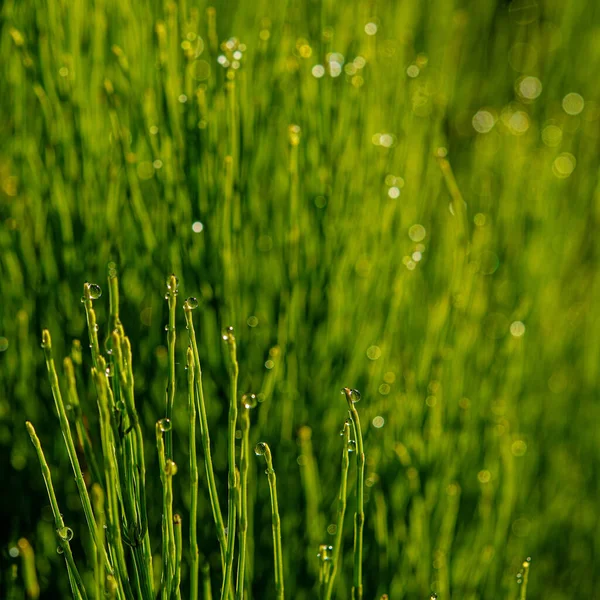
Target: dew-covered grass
(399, 198)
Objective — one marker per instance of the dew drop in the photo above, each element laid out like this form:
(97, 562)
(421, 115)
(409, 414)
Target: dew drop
(170, 467)
(192, 302)
(260, 449)
(109, 372)
(249, 400)
(164, 424)
(433, 596)
(355, 395)
(352, 446)
(325, 552)
(65, 533)
(95, 291)
(227, 334)
(59, 550)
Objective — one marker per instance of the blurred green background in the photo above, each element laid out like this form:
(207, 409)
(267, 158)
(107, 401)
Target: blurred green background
(286, 161)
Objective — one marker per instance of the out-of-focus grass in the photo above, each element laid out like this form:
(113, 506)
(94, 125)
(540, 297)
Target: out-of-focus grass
(323, 234)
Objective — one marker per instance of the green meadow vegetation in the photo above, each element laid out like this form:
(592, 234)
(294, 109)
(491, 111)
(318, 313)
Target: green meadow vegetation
(396, 197)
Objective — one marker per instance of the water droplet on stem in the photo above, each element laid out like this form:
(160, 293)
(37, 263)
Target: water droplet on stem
(95, 291)
(65, 533)
(192, 302)
(165, 424)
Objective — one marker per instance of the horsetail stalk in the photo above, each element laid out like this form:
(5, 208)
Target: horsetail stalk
(525, 575)
(229, 338)
(68, 438)
(64, 534)
(167, 469)
(92, 291)
(176, 592)
(32, 587)
(248, 402)
(134, 466)
(111, 472)
(171, 296)
(206, 589)
(262, 449)
(82, 435)
(98, 502)
(337, 547)
(188, 306)
(194, 552)
(353, 396)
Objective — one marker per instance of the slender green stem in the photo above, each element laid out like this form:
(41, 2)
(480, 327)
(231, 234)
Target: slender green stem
(114, 322)
(248, 402)
(195, 558)
(32, 587)
(206, 589)
(229, 338)
(90, 313)
(98, 502)
(263, 449)
(352, 396)
(111, 473)
(171, 337)
(68, 438)
(167, 469)
(82, 435)
(175, 591)
(204, 434)
(526, 564)
(135, 464)
(64, 533)
(337, 547)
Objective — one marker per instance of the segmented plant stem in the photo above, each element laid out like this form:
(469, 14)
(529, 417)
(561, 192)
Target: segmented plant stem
(206, 589)
(523, 595)
(167, 467)
(98, 502)
(337, 547)
(68, 438)
(32, 587)
(204, 434)
(263, 448)
(195, 558)
(359, 515)
(82, 435)
(134, 467)
(243, 501)
(171, 337)
(59, 524)
(176, 592)
(113, 490)
(90, 314)
(233, 475)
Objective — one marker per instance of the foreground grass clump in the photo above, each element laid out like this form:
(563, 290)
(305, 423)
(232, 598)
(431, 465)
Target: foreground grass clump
(401, 195)
(120, 561)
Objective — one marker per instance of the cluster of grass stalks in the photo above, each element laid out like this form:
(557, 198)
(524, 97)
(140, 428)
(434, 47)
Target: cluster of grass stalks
(401, 195)
(120, 562)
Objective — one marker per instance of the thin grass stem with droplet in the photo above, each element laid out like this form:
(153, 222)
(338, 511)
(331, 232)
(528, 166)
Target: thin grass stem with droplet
(194, 552)
(262, 449)
(76, 581)
(68, 438)
(229, 339)
(205, 436)
(353, 396)
(337, 545)
(171, 296)
(248, 402)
